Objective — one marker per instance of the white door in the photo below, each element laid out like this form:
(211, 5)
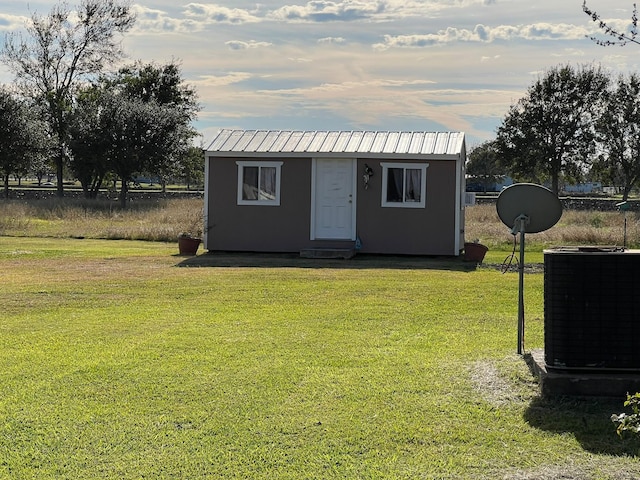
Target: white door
(333, 209)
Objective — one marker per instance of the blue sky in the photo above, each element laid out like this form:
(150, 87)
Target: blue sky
(362, 64)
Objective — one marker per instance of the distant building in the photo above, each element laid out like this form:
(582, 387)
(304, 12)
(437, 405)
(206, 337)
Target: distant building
(588, 187)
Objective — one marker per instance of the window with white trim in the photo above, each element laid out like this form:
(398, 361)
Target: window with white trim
(259, 183)
(404, 185)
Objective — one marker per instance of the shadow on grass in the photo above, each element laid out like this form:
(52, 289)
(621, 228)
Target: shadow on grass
(587, 419)
(360, 261)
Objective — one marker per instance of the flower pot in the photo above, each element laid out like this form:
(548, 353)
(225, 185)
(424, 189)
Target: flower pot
(474, 252)
(188, 245)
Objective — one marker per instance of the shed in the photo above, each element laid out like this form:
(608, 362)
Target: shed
(376, 192)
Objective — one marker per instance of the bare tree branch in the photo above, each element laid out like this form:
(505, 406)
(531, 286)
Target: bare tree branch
(619, 38)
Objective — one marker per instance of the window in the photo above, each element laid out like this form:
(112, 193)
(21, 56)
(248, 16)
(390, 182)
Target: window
(404, 185)
(259, 183)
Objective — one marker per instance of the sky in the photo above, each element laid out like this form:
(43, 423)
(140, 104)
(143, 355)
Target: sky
(416, 65)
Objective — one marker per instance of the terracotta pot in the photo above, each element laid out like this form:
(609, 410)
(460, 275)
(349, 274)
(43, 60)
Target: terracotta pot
(474, 252)
(188, 245)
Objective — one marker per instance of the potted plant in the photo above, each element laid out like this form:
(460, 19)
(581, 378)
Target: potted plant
(190, 238)
(188, 244)
(474, 251)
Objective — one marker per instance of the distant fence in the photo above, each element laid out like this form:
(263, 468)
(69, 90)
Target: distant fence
(576, 203)
(133, 194)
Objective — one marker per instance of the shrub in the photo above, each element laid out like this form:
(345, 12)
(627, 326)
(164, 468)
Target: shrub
(629, 422)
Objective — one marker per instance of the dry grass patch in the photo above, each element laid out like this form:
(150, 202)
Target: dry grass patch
(594, 468)
(503, 382)
(576, 227)
(154, 220)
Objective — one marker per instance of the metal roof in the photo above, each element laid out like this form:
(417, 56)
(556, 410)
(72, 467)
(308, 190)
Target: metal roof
(283, 142)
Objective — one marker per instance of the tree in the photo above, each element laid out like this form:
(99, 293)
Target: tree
(136, 136)
(161, 83)
(134, 122)
(549, 133)
(191, 167)
(619, 38)
(619, 136)
(21, 137)
(164, 85)
(87, 140)
(484, 165)
(61, 49)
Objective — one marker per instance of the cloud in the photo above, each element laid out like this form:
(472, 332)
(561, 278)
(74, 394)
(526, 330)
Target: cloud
(222, 80)
(11, 22)
(211, 13)
(196, 17)
(239, 45)
(367, 10)
(332, 40)
(374, 103)
(329, 11)
(484, 34)
(150, 20)
(489, 59)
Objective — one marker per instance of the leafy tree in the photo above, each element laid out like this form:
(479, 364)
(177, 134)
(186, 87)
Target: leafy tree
(549, 133)
(60, 50)
(135, 122)
(619, 136)
(40, 164)
(21, 137)
(138, 136)
(617, 37)
(161, 83)
(484, 165)
(87, 140)
(191, 167)
(164, 85)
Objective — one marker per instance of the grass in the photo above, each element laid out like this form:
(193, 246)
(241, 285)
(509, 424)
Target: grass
(153, 220)
(119, 361)
(576, 227)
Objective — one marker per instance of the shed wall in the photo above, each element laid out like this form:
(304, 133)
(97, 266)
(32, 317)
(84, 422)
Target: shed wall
(413, 231)
(286, 228)
(235, 227)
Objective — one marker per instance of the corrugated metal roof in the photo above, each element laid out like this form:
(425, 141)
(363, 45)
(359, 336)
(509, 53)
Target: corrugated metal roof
(336, 142)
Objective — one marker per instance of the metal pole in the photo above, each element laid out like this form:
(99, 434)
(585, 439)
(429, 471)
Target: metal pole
(521, 292)
(624, 206)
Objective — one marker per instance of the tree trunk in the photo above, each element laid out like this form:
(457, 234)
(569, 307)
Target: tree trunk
(555, 184)
(60, 174)
(95, 188)
(85, 190)
(124, 188)
(6, 187)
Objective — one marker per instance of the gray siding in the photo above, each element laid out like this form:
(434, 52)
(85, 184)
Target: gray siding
(286, 228)
(235, 227)
(418, 231)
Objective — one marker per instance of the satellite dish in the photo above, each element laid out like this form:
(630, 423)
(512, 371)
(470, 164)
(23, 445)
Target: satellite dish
(539, 204)
(527, 208)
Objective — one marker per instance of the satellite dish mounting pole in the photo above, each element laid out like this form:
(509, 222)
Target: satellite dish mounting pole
(520, 226)
(624, 206)
(527, 208)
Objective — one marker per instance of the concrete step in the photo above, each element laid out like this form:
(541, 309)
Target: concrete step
(344, 253)
(581, 383)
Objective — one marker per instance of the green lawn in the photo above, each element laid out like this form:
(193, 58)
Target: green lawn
(116, 362)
